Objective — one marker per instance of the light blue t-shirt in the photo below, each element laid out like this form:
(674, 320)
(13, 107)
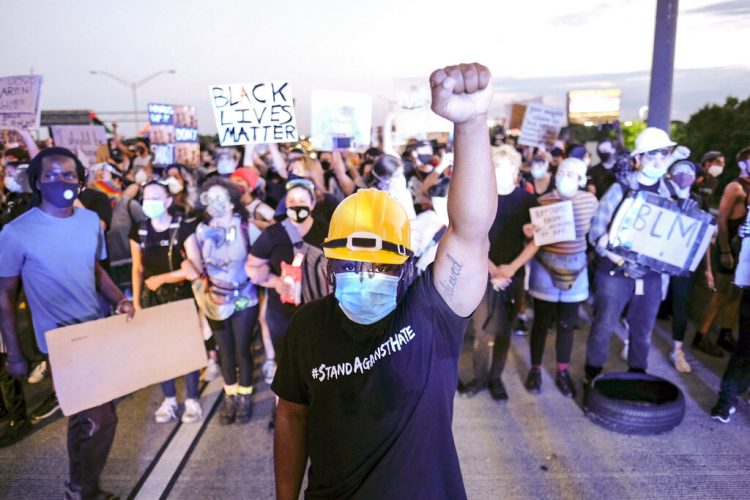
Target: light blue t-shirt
(55, 258)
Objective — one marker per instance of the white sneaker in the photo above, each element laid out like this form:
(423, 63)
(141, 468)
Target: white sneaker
(269, 370)
(678, 358)
(167, 411)
(37, 375)
(212, 371)
(624, 353)
(193, 412)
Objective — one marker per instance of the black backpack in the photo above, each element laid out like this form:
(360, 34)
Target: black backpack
(314, 275)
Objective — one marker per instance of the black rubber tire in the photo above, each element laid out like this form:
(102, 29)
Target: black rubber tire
(634, 403)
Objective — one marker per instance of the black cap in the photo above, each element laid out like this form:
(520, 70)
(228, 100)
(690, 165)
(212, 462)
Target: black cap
(711, 156)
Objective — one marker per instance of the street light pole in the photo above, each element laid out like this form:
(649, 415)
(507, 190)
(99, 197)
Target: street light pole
(662, 65)
(133, 87)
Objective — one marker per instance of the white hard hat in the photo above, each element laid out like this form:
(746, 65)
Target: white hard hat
(651, 139)
(576, 165)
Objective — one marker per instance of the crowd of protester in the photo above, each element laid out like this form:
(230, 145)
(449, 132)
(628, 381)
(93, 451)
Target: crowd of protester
(229, 231)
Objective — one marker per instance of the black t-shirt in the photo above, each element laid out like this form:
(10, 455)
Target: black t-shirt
(155, 256)
(601, 178)
(506, 234)
(653, 188)
(379, 397)
(99, 203)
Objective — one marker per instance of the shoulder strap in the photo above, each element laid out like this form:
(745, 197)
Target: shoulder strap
(292, 232)
(143, 233)
(174, 227)
(245, 230)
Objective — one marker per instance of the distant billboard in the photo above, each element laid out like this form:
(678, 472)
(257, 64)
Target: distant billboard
(598, 106)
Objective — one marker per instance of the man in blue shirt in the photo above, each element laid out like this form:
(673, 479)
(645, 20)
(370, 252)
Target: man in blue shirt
(55, 249)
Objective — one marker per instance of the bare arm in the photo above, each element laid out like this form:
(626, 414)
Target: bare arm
(729, 199)
(462, 94)
(136, 274)
(339, 170)
(289, 449)
(192, 267)
(17, 365)
(279, 164)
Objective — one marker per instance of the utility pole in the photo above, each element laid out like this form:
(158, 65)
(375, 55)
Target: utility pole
(662, 65)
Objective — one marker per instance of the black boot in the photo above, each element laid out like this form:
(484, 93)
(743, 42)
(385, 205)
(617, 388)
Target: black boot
(245, 408)
(228, 410)
(591, 372)
(565, 384)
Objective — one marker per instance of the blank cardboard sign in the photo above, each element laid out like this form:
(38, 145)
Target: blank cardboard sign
(98, 361)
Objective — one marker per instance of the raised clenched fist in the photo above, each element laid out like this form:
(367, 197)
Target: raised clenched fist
(461, 93)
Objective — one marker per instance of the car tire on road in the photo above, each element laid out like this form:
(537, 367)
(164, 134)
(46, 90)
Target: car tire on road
(634, 403)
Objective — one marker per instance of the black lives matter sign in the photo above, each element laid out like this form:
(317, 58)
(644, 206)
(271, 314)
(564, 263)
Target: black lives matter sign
(249, 113)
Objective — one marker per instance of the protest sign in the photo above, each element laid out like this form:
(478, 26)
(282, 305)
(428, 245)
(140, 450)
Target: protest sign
(340, 117)
(173, 131)
(553, 223)
(254, 113)
(82, 139)
(541, 125)
(652, 231)
(19, 101)
(92, 363)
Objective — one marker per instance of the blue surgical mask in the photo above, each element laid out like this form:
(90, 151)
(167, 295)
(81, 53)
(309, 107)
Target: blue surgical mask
(153, 209)
(366, 300)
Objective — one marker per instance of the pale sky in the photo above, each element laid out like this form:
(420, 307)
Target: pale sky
(534, 48)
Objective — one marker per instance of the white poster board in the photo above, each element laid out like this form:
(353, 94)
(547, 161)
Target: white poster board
(340, 114)
(19, 101)
(98, 361)
(248, 113)
(553, 223)
(81, 139)
(653, 231)
(541, 125)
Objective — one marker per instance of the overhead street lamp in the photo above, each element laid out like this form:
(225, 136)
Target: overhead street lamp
(133, 86)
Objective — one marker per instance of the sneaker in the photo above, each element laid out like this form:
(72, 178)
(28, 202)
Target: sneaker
(38, 373)
(497, 390)
(244, 408)
(268, 370)
(703, 344)
(470, 388)
(678, 359)
(15, 431)
(625, 351)
(49, 407)
(521, 328)
(228, 410)
(533, 382)
(167, 411)
(193, 412)
(212, 370)
(565, 384)
(74, 493)
(722, 411)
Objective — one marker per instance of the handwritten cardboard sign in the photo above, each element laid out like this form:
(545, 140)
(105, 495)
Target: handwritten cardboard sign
(173, 131)
(652, 231)
(82, 139)
(254, 113)
(98, 361)
(541, 125)
(19, 101)
(340, 115)
(553, 223)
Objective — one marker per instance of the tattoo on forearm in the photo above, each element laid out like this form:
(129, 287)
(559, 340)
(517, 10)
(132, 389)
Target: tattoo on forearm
(450, 287)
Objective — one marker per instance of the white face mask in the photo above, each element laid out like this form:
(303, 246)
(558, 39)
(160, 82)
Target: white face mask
(12, 185)
(682, 193)
(174, 184)
(567, 186)
(505, 176)
(538, 170)
(141, 176)
(715, 170)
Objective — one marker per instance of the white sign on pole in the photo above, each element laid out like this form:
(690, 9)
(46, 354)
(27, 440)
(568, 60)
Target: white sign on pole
(248, 113)
(92, 363)
(340, 115)
(653, 231)
(19, 101)
(553, 223)
(541, 125)
(81, 139)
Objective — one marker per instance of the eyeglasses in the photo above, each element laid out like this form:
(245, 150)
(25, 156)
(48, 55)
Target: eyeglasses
(206, 198)
(663, 152)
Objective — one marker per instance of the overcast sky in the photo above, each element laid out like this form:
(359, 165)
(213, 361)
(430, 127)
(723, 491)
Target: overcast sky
(534, 48)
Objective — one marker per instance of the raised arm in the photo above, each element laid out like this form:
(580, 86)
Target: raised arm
(462, 94)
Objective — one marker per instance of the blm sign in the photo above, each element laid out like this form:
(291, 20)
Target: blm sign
(654, 232)
(249, 113)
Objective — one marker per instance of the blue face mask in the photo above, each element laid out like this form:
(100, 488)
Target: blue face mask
(367, 300)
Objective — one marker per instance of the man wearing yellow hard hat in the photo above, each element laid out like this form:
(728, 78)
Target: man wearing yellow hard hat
(367, 375)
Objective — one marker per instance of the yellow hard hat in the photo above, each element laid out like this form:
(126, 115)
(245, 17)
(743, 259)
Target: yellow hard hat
(369, 226)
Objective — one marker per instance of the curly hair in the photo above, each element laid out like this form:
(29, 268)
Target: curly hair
(235, 196)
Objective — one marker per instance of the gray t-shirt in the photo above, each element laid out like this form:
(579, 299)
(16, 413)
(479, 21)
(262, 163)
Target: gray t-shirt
(55, 258)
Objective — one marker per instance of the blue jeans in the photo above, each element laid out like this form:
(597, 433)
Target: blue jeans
(614, 291)
(169, 387)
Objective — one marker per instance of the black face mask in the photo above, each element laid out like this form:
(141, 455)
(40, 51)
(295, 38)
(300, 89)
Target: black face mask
(59, 193)
(298, 214)
(325, 164)
(425, 158)
(604, 156)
